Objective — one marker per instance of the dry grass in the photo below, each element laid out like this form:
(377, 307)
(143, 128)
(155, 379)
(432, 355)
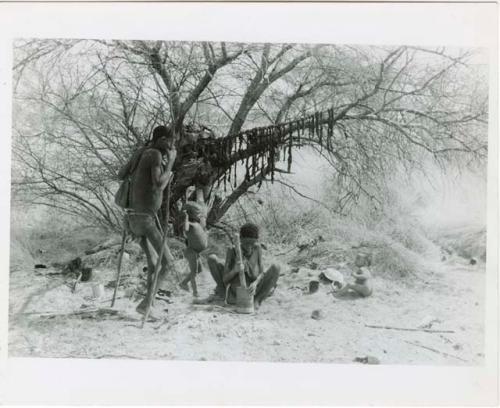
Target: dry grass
(467, 241)
(43, 235)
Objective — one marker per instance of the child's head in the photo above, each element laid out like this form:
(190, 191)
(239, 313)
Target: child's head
(196, 212)
(249, 235)
(362, 259)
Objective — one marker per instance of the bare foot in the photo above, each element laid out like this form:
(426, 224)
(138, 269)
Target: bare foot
(141, 309)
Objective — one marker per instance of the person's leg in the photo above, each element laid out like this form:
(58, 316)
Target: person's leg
(216, 268)
(267, 285)
(144, 226)
(155, 238)
(138, 225)
(194, 286)
(151, 266)
(141, 308)
(361, 290)
(200, 265)
(192, 260)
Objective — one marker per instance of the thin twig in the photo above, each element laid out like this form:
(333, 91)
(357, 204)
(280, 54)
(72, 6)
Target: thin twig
(303, 195)
(286, 252)
(209, 307)
(117, 356)
(435, 351)
(408, 329)
(91, 313)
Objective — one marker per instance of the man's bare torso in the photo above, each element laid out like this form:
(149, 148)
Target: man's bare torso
(146, 195)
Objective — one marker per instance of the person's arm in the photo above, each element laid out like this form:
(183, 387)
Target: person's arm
(185, 226)
(231, 267)
(253, 285)
(344, 289)
(186, 221)
(200, 197)
(161, 178)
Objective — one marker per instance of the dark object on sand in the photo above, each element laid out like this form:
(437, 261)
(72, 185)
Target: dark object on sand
(164, 293)
(473, 261)
(317, 315)
(313, 286)
(73, 265)
(40, 266)
(86, 274)
(367, 360)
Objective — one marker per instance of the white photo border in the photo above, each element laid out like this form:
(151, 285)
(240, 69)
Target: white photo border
(82, 382)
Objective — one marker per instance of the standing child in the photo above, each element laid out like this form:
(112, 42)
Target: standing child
(195, 214)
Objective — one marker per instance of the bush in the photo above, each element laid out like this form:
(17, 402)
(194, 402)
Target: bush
(44, 235)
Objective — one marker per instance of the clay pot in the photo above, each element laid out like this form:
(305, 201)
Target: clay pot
(313, 286)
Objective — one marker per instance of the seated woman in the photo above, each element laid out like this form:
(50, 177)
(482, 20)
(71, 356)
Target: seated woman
(260, 283)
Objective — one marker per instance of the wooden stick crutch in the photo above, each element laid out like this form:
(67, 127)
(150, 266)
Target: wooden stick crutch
(120, 257)
(160, 256)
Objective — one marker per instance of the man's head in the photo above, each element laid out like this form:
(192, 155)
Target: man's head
(249, 235)
(163, 138)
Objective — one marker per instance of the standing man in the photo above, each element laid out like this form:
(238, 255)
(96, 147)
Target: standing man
(151, 171)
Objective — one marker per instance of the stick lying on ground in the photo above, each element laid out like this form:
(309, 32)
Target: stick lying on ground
(226, 308)
(113, 314)
(408, 329)
(435, 351)
(88, 313)
(100, 248)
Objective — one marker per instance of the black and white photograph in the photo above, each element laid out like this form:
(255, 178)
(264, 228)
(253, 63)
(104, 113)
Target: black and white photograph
(249, 201)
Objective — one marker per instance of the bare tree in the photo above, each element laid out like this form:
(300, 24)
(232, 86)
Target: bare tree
(362, 108)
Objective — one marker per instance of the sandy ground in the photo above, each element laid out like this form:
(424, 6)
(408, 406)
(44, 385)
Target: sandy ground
(48, 320)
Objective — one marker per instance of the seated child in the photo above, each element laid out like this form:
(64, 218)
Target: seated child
(362, 284)
(196, 240)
